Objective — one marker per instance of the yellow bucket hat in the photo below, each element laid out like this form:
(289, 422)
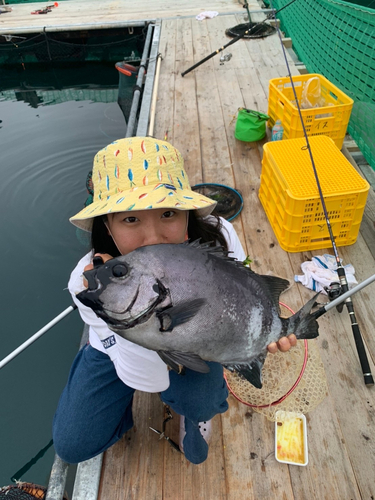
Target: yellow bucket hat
(140, 173)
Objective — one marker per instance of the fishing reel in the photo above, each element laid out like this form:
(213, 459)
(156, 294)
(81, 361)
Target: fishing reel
(334, 290)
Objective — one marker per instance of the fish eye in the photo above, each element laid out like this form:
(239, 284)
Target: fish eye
(119, 270)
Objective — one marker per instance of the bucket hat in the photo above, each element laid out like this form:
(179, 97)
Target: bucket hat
(140, 173)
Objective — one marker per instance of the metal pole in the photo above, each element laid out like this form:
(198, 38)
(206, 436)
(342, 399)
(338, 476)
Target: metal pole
(72, 27)
(346, 297)
(347, 294)
(56, 484)
(145, 109)
(154, 98)
(137, 92)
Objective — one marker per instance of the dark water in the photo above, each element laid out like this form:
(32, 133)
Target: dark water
(46, 153)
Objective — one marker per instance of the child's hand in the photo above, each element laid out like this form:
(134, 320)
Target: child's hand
(283, 345)
(104, 256)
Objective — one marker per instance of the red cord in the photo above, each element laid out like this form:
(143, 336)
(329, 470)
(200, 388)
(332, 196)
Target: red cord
(280, 400)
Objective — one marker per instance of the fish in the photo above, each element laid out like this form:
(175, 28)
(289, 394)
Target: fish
(193, 303)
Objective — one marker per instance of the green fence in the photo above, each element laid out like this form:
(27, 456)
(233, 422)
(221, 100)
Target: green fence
(337, 39)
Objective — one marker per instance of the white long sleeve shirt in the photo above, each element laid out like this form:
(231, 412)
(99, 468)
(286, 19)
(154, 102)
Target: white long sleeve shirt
(136, 366)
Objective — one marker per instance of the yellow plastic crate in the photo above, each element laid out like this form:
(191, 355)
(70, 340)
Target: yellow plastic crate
(328, 120)
(290, 196)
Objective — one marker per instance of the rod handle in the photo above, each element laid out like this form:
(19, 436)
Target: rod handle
(367, 375)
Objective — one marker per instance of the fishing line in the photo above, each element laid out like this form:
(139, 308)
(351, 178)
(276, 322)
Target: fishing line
(340, 269)
(17, 475)
(251, 30)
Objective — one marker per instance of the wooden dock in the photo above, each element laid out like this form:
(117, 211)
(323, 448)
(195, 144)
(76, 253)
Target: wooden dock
(197, 113)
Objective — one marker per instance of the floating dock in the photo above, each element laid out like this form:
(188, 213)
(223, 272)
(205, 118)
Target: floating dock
(197, 113)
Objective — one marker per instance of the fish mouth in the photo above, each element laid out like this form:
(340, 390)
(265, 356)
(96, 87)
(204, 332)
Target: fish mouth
(92, 300)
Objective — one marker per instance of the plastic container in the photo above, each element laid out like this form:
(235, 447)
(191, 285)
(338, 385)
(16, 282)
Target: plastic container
(277, 131)
(290, 196)
(331, 120)
(291, 438)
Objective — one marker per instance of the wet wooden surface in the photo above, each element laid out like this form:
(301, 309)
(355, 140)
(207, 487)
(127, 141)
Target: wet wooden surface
(197, 112)
(102, 12)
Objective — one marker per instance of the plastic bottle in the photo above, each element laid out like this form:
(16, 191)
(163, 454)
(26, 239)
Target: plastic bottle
(277, 131)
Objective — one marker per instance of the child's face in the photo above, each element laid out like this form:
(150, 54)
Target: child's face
(139, 228)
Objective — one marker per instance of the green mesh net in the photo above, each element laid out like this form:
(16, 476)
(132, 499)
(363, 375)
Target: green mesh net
(337, 39)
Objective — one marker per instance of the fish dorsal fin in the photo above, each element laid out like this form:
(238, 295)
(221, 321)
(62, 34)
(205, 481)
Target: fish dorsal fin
(218, 251)
(205, 246)
(274, 286)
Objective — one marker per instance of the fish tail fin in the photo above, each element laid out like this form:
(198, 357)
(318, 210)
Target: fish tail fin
(303, 324)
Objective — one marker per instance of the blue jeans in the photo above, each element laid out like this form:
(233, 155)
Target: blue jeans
(95, 408)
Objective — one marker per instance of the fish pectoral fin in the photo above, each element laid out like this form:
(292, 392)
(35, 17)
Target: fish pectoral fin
(177, 315)
(251, 371)
(176, 359)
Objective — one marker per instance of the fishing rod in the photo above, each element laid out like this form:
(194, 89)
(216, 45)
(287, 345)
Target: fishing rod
(37, 335)
(342, 298)
(97, 261)
(340, 268)
(251, 31)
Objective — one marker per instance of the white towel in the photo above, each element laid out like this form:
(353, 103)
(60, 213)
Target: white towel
(321, 272)
(206, 15)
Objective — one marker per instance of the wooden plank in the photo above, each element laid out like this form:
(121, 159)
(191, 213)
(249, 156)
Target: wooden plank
(255, 440)
(360, 256)
(133, 467)
(344, 373)
(368, 222)
(351, 146)
(164, 114)
(186, 132)
(183, 480)
(216, 161)
(352, 401)
(329, 473)
(104, 11)
(271, 53)
(251, 469)
(302, 70)
(241, 461)
(237, 437)
(287, 42)
(269, 257)
(275, 23)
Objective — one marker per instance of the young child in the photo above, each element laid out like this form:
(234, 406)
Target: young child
(141, 197)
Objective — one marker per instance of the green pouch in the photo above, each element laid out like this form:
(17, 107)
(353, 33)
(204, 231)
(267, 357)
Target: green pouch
(250, 125)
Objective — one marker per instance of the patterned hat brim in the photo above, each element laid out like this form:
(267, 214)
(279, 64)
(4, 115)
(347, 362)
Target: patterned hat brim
(154, 197)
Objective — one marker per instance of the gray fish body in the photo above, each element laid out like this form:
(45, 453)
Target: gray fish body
(191, 303)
